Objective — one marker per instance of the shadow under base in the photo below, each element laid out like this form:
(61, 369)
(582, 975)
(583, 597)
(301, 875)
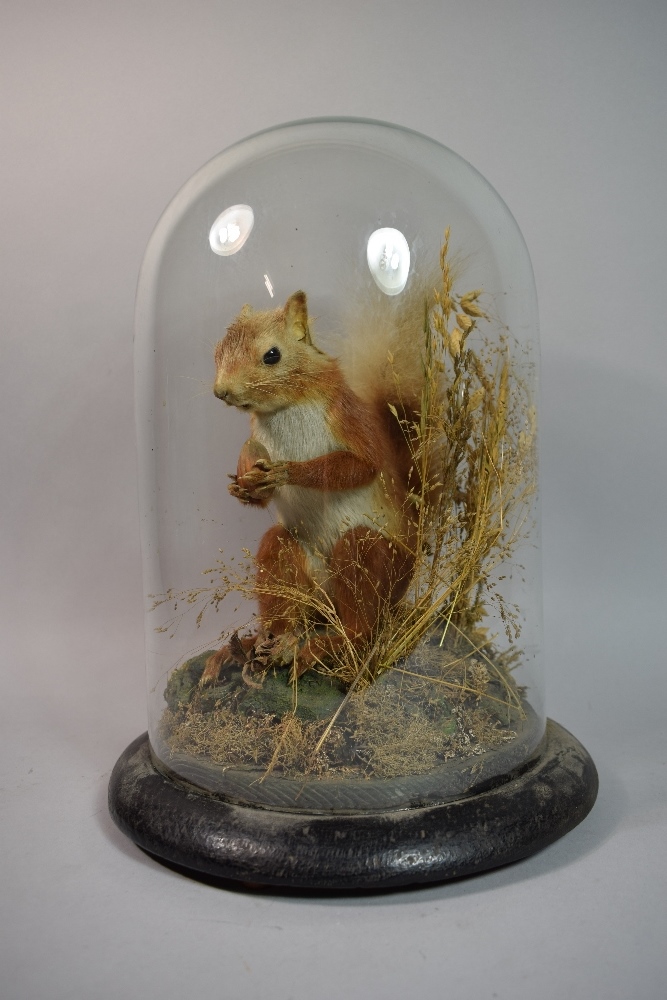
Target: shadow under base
(522, 813)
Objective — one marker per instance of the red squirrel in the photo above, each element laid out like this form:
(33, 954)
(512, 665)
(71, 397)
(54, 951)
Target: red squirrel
(336, 465)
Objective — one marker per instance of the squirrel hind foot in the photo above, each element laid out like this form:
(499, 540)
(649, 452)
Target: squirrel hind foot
(213, 667)
(233, 653)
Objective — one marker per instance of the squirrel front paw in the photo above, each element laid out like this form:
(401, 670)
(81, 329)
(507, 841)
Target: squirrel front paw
(259, 483)
(241, 493)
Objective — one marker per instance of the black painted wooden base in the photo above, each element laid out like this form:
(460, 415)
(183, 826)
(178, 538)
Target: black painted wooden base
(531, 808)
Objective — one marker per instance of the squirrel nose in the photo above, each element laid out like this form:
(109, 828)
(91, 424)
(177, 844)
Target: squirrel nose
(220, 392)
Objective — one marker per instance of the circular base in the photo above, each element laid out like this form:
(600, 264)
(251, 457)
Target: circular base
(528, 809)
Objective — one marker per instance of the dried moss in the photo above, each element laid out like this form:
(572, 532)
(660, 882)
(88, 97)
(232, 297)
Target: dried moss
(427, 710)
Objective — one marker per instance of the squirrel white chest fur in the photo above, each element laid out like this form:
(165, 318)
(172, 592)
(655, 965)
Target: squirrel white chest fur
(318, 518)
(295, 433)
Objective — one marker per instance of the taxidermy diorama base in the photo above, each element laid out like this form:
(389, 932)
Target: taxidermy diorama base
(514, 817)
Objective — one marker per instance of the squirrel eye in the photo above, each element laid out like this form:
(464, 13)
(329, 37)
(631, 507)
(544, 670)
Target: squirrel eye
(272, 357)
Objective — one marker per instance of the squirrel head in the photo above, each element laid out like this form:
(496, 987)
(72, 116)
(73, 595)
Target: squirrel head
(267, 360)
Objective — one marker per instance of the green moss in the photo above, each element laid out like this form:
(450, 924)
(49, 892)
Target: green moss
(317, 697)
(183, 681)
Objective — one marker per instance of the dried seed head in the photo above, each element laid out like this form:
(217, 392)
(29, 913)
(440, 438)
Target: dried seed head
(475, 399)
(455, 340)
(468, 303)
(480, 676)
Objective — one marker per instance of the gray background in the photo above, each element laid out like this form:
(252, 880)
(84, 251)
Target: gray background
(107, 108)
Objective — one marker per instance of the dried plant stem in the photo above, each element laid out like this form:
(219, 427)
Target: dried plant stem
(340, 708)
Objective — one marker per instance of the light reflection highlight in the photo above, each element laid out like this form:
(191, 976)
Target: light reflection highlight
(231, 230)
(388, 256)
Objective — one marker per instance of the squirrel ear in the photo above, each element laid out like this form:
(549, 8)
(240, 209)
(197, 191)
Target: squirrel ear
(246, 310)
(296, 317)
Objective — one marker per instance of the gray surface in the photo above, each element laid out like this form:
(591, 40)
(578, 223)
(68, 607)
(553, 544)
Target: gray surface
(107, 109)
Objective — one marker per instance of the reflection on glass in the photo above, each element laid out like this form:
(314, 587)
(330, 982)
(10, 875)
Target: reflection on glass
(388, 257)
(231, 230)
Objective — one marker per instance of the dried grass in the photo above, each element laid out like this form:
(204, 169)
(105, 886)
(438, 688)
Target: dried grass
(401, 725)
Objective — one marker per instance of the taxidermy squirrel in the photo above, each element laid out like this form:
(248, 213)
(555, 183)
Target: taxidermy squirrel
(328, 451)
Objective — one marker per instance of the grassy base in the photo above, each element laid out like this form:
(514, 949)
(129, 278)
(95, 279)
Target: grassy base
(414, 717)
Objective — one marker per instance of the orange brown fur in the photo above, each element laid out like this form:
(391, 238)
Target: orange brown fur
(336, 466)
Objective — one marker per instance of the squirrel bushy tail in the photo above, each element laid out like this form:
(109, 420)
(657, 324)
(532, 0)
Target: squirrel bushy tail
(382, 357)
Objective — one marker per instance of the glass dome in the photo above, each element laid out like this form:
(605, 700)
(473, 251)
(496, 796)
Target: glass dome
(336, 360)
